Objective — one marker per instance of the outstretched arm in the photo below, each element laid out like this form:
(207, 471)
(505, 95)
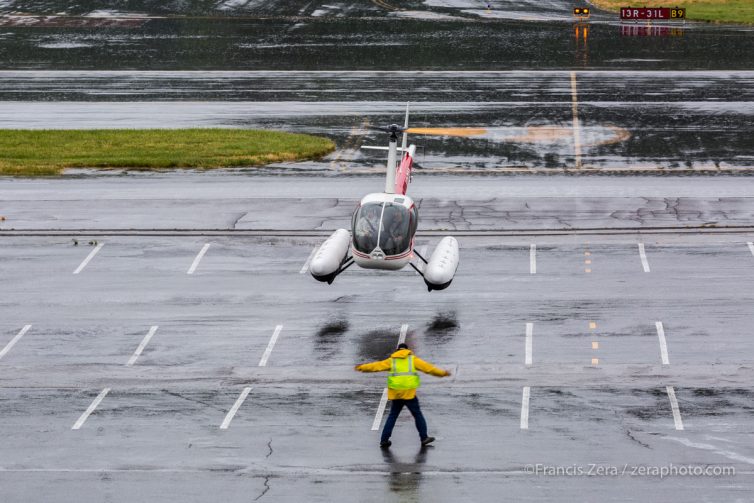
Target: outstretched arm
(428, 368)
(380, 366)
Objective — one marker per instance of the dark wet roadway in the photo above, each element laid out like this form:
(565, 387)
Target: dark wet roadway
(641, 356)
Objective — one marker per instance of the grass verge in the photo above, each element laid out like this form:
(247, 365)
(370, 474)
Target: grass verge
(26, 152)
(720, 11)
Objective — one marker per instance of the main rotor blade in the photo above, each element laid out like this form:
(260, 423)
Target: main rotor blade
(447, 131)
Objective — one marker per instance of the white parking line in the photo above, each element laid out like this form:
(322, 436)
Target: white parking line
(383, 400)
(91, 408)
(533, 259)
(643, 256)
(88, 258)
(525, 408)
(234, 409)
(142, 345)
(198, 259)
(576, 124)
(751, 247)
(529, 334)
(270, 346)
(404, 332)
(663, 343)
(380, 411)
(13, 341)
(308, 261)
(674, 405)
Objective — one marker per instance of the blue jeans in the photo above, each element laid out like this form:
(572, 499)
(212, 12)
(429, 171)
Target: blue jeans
(395, 409)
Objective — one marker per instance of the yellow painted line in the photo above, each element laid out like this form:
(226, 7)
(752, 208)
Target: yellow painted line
(447, 131)
(595, 345)
(595, 361)
(587, 261)
(592, 325)
(576, 124)
(587, 270)
(588, 254)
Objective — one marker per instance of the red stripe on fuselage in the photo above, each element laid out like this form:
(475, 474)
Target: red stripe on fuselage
(403, 175)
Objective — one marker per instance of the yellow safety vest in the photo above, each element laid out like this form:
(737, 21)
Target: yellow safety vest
(403, 375)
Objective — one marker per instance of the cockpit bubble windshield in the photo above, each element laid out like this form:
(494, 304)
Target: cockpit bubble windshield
(386, 224)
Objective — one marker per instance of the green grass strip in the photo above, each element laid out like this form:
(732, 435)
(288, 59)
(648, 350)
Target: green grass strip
(47, 152)
(719, 11)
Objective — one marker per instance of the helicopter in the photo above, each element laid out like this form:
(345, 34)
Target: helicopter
(383, 227)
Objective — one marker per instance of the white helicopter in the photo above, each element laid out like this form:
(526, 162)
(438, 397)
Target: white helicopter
(383, 228)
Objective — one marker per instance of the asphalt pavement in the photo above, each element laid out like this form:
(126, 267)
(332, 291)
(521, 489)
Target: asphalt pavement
(638, 358)
(162, 340)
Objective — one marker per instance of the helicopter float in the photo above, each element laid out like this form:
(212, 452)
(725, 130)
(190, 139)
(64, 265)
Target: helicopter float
(383, 228)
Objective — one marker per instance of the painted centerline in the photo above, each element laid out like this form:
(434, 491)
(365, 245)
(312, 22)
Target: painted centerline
(234, 409)
(674, 405)
(525, 408)
(270, 346)
(142, 345)
(663, 343)
(89, 258)
(15, 339)
(643, 256)
(198, 259)
(90, 409)
(576, 123)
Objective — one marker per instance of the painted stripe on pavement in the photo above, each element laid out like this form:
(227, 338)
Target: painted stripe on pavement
(663, 343)
(234, 409)
(15, 339)
(674, 405)
(198, 259)
(533, 259)
(308, 261)
(89, 258)
(90, 409)
(380, 411)
(643, 256)
(270, 346)
(525, 408)
(142, 345)
(529, 336)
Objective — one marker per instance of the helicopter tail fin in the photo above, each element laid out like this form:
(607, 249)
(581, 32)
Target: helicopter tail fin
(405, 126)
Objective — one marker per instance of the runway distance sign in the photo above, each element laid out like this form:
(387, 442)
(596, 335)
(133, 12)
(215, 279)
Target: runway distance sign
(652, 14)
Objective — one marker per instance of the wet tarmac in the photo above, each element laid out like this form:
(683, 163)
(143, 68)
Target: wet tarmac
(667, 121)
(162, 340)
(317, 35)
(639, 356)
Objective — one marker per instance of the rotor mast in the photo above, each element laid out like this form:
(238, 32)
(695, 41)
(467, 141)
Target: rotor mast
(392, 156)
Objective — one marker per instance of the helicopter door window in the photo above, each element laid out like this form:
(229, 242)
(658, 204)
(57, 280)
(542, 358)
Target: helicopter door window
(395, 233)
(366, 226)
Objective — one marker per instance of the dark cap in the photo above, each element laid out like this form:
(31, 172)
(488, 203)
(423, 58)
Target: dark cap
(402, 345)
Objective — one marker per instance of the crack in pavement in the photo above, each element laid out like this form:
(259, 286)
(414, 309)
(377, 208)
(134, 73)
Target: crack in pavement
(269, 446)
(266, 487)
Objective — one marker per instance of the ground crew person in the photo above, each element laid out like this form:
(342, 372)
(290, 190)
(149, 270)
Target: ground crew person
(402, 382)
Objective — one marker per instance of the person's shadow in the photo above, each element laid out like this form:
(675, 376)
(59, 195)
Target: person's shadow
(405, 477)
